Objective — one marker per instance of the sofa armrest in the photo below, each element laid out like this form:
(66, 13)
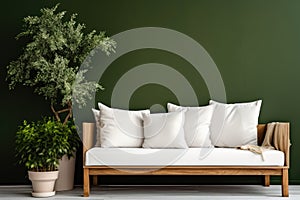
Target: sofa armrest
(280, 139)
(261, 132)
(87, 137)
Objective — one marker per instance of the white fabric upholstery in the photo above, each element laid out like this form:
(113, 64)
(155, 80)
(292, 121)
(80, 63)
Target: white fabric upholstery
(182, 157)
(234, 125)
(196, 125)
(164, 130)
(121, 128)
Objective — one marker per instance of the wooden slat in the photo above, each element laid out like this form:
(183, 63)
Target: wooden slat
(187, 171)
(87, 136)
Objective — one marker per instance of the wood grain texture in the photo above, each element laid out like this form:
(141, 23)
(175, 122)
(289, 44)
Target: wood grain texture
(267, 180)
(261, 132)
(95, 180)
(285, 183)
(186, 170)
(86, 182)
(87, 135)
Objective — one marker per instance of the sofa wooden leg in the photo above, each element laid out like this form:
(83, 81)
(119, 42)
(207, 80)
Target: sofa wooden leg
(95, 180)
(285, 183)
(266, 180)
(86, 182)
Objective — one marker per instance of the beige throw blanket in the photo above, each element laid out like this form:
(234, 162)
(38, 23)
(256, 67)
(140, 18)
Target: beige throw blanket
(275, 138)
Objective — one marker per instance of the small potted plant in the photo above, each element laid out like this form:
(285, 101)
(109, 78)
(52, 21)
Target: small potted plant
(39, 146)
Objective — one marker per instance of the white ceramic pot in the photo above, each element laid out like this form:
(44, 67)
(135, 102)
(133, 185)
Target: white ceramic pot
(66, 170)
(43, 183)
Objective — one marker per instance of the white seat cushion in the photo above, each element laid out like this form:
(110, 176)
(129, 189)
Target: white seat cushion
(181, 157)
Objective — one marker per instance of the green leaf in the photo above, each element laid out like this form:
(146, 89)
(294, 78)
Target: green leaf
(50, 61)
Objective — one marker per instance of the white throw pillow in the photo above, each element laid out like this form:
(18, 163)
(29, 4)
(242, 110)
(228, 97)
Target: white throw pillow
(121, 128)
(234, 125)
(164, 130)
(98, 126)
(196, 125)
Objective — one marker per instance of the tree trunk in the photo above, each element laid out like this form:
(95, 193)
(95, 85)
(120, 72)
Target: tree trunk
(57, 113)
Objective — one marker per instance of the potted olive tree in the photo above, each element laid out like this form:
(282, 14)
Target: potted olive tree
(39, 147)
(55, 49)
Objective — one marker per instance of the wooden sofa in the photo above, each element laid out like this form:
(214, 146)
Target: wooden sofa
(265, 171)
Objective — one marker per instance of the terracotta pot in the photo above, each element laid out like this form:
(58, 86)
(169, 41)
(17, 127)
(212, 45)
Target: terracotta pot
(66, 170)
(43, 183)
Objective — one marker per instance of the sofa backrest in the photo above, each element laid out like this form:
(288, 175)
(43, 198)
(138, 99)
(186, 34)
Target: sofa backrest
(88, 131)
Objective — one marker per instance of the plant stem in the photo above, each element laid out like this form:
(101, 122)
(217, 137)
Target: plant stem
(55, 113)
(69, 110)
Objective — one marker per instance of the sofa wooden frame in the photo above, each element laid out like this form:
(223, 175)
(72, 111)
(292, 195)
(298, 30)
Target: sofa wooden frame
(265, 171)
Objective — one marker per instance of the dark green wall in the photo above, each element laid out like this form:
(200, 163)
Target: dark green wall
(254, 43)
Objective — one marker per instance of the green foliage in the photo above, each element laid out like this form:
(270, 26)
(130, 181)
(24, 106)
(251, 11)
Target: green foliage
(41, 144)
(52, 57)
(56, 47)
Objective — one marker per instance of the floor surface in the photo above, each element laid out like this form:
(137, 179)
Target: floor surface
(161, 192)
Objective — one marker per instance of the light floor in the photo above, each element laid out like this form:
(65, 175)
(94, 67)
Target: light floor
(161, 192)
